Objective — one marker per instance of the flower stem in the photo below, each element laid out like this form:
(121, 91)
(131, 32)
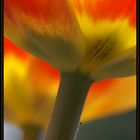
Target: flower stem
(31, 132)
(68, 107)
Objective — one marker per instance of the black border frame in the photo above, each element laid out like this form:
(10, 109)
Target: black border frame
(2, 66)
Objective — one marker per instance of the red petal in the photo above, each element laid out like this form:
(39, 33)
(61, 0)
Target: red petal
(108, 9)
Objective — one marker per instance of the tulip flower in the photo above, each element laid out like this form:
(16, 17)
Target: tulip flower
(27, 102)
(86, 40)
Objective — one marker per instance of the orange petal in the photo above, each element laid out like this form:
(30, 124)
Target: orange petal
(118, 97)
(47, 29)
(107, 9)
(43, 78)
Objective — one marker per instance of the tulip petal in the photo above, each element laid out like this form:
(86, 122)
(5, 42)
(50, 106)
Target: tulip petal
(108, 40)
(108, 27)
(24, 101)
(15, 92)
(121, 66)
(112, 10)
(117, 98)
(47, 29)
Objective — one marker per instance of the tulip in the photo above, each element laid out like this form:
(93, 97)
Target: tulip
(87, 41)
(27, 102)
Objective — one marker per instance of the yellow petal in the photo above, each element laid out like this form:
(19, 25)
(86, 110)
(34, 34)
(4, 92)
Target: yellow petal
(109, 39)
(47, 29)
(15, 93)
(23, 102)
(109, 29)
(121, 66)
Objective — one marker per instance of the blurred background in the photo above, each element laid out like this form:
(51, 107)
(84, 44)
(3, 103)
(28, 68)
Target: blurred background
(122, 127)
(30, 88)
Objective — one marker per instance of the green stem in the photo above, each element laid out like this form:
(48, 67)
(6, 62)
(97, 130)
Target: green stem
(31, 132)
(68, 107)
